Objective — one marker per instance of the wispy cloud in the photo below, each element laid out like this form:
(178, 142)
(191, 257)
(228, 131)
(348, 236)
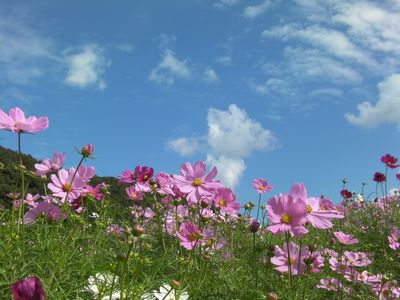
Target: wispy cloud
(209, 75)
(184, 146)
(224, 60)
(170, 68)
(254, 11)
(86, 66)
(225, 3)
(232, 136)
(386, 110)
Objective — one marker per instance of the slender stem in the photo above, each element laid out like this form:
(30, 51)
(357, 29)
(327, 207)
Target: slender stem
(258, 206)
(21, 206)
(386, 191)
(289, 260)
(72, 180)
(132, 245)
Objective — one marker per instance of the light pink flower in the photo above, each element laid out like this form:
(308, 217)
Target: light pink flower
(47, 165)
(394, 239)
(51, 211)
(261, 186)
(134, 193)
(95, 192)
(368, 278)
(189, 235)
(195, 183)
(345, 239)
(317, 262)
(62, 185)
(356, 259)
(86, 173)
(287, 213)
(165, 184)
(225, 201)
(282, 258)
(127, 177)
(87, 150)
(330, 284)
(16, 121)
(318, 218)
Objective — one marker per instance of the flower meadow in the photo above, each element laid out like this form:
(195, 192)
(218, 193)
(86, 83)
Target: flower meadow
(186, 236)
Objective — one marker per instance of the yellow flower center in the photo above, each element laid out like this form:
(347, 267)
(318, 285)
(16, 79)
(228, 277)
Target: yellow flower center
(67, 187)
(286, 219)
(222, 202)
(197, 182)
(322, 207)
(309, 208)
(291, 260)
(134, 195)
(261, 187)
(145, 177)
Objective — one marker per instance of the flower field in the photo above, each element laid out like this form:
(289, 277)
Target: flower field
(186, 236)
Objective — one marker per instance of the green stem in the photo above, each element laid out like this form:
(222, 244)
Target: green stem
(289, 260)
(258, 206)
(21, 212)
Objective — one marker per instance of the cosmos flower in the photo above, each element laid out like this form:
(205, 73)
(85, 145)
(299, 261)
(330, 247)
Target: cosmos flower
(29, 288)
(330, 284)
(100, 285)
(394, 239)
(225, 201)
(16, 121)
(390, 161)
(63, 185)
(261, 186)
(318, 218)
(48, 166)
(379, 177)
(51, 211)
(143, 173)
(282, 258)
(345, 239)
(189, 235)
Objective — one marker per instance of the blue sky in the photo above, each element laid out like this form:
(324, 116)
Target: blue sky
(301, 90)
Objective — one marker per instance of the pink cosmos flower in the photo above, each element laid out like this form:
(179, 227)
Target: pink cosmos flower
(47, 166)
(341, 266)
(387, 291)
(225, 201)
(398, 176)
(345, 239)
(134, 193)
(143, 173)
(50, 211)
(318, 218)
(29, 288)
(390, 161)
(261, 186)
(394, 239)
(86, 173)
(317, 262)
(95, 192)
(282, 258)
(330, 284)
(368, 278)
(189, 235)
(127, 177)
(31, 200)
(165, 184)
(288, 212)
(115, 229)
(62, 185)
(356, 259)
(379, 177)
(194, 182)
(16, 121)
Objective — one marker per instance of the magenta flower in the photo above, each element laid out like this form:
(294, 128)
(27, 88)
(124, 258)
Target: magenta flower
(143, 173)
(345, 239)
(394, 239)
(50, 211)
(261, 186)
(127, 177)
(165, 184)
(29, 288)
(398, 176)
(225, 201)
(288, 212)
(189, 235)
(346, 194)
(379, 177)
(95, 192)
(282, 258)
(134, 193)
(390, 161)
(48, 166)
(195, 183)
(318, 218)
(62, 185)
(16, 121)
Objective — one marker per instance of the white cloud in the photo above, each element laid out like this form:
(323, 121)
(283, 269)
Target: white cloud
(252, 12)
(127, 48)
(169, 68)
(225, 3)
(224, 60)
(326, 92)
(233, 134)
(86, 66)
(230, 170)
(184, 146)
(210, 75)
(386, 110)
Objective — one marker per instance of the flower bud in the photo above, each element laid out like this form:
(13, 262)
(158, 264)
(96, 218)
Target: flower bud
(87, 150)
(138, 230)
(175, 284)
(254, 226)
(28, 288)
(272, 296)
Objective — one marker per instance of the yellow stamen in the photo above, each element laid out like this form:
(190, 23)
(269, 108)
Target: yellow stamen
(309, 208)
(286, 219)
(67, 187)
(197, 182)
(222, 202)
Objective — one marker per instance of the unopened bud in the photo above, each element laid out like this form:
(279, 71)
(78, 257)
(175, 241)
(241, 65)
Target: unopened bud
(247, 206)
(204, 204)
(175, 284)
(87, 150)
(252, 204)
(138, 230)
(254, 226)
(272, 296)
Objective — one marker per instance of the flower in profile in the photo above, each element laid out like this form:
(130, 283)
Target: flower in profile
(166, 292)
(127, 177)
(195, 183)
(330, 284)
(318, 218)
(379, 177)
(292, 256)
(95, 192)
(394, 239)
(63, 185)
(345, 239)
(48, 166)
(225, 201)
(87, 150)
(189, 235)
(390, 161)
(47, 210)
(261, 186)
(143, 173)
(288, 212)
(29, 288)
(16, 121)
(86, 173)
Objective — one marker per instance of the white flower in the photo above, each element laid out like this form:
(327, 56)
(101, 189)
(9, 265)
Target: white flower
(166, 293)
(360, 198)
(101, 284)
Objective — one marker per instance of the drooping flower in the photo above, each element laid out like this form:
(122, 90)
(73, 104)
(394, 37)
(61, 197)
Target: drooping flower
(261, 186)
(288, 213)
(345, 239)
(63, 185)
(48, 166)
(394, 239)
(379, 177)
(29, 288)
(225, 201)
(16, 121)
(189, 235)
(390, 161)
(195, 183)
(44, 209)
(292, 256)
